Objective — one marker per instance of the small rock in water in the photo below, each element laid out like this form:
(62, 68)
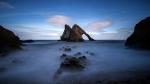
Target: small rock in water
(74, 46)
(78, 54)
(71, 63)
(63, 56)
(67, 49)
(16, 61)
(82, 58)
(87, 52)
(74, 62)
(92, 54)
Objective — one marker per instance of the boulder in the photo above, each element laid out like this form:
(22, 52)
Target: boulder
(141, 35)
(74, 34)
(74, 63)
(8, 40)
(71, 63)
(67, 49)
(78, 54)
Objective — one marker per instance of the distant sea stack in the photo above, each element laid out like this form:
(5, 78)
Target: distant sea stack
(74, 34)
(141, 35)
(8, 40)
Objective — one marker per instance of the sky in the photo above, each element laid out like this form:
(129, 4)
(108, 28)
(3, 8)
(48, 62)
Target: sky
(45, 19)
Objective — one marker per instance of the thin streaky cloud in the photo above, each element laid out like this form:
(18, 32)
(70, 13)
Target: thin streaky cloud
(99, 25)
(6, 5)
(59, 20)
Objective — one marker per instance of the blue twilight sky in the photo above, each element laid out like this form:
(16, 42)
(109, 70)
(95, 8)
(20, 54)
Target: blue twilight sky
(45, 19)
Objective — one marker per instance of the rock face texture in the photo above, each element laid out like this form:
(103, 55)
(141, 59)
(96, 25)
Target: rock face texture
(141, 35)
(8, 40)
(74, 34)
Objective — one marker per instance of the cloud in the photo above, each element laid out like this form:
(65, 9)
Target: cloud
(98, 25)
(27, 32)
(123, 33)
(118, 34)
(59, 20)
(6, 5)
(91, 28)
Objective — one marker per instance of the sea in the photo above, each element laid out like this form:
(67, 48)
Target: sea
(39, 62)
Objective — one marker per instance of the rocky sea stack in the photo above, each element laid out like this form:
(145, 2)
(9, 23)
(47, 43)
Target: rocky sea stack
(8, 40)
(141, 35)
(74, 34)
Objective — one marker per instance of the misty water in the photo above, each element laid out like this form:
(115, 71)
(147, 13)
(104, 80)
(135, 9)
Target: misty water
(39, 61)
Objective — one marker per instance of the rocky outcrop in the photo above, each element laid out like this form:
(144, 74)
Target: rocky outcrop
(74, 34)
(141, 35)
(66, 34)
(27, 41)
(8, 40)
(71, 63)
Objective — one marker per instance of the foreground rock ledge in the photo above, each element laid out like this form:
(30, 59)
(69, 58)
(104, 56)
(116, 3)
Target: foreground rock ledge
(74, 34)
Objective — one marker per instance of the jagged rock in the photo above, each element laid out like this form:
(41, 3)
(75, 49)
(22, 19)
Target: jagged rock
(141, 35)
(83, 59)
(91, 53)
(77, 54)
(8, 40)
(74, 62)
(67, 49)
(63, 56)
(74, 34)
(66, 34)
(70, 63)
